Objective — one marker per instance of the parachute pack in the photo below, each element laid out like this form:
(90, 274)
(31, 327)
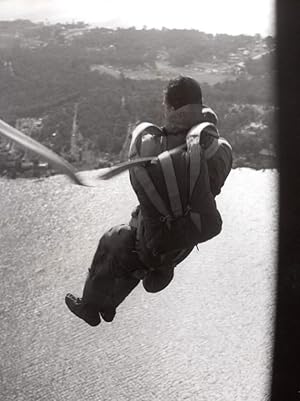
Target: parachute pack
(178, 210)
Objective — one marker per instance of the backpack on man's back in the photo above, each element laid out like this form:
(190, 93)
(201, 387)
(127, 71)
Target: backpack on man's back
(178, 210)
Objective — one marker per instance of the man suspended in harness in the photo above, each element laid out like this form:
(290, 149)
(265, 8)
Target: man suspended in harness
(177, 208)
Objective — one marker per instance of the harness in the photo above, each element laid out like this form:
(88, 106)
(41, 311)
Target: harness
(193, 154)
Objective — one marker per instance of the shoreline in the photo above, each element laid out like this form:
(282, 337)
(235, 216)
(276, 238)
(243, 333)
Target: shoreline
(98, 170)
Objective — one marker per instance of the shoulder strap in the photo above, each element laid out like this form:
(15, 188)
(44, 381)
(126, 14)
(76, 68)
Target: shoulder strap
(223, 141)
(195, 133)
(166, 163)
(194, 149)
(209, 114)
(212, 148)
(195, 153)
(136, 135)
(195, 162)
(170, 179)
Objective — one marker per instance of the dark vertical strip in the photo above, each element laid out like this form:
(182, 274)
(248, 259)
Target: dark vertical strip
(286, 360)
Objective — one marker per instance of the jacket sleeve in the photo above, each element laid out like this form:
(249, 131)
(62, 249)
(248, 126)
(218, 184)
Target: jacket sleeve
(219, 167)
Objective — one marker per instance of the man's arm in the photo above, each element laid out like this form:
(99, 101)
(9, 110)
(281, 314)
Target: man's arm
(219, 167)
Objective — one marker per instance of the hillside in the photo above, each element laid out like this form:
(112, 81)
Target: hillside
(97, 83)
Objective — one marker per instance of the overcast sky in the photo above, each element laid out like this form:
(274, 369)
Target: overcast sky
(212, 16)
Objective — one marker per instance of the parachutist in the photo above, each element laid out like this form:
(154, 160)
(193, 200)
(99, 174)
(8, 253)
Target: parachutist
(177, 208)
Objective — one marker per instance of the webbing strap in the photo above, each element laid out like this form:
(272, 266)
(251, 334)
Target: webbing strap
(208, 110)
(139, 130)
(163, 142)
(214, 146)
(194, 148)
(211, 150)
(194, 135)
(171, 183)
(209, 129)
(146, 183)
(224, 142)
(195, 162)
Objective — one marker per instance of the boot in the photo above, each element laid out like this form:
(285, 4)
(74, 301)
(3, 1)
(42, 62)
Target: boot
(88, 314)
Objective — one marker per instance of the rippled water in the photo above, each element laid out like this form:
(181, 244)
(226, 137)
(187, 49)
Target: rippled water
(208, 336)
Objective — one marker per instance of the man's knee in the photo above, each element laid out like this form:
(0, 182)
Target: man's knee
(116, 251)
(157, 280)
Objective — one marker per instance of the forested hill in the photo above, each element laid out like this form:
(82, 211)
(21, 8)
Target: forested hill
(95, 83)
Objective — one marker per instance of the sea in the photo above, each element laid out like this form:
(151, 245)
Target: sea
(207, 336)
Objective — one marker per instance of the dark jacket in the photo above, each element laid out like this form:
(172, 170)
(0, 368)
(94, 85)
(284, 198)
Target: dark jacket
(180, 121)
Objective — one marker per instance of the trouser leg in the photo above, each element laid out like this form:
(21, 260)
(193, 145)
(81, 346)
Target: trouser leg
(97, 293)
(115, 271)
(105, 294)
(110, 280)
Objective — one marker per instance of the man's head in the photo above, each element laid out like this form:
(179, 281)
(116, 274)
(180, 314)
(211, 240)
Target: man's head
(182, 91)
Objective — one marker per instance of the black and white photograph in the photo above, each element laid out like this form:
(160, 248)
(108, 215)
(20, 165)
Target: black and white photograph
(139, 182)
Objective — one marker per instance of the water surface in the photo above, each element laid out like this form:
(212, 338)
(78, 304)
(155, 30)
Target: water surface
(208, 336)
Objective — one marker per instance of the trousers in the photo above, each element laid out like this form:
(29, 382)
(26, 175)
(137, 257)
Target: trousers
(116, 270)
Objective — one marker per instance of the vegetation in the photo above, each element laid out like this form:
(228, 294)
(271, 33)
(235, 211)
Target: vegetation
(46, 70)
